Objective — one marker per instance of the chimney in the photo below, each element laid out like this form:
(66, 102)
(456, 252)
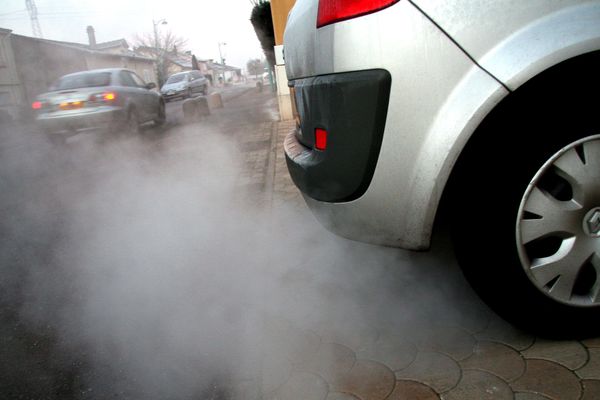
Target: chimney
(91, 36)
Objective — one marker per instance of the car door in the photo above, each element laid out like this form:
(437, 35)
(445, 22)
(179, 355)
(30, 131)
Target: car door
(143, 99)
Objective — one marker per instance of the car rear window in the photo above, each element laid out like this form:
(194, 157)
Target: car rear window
(82, 81)
(176, 78)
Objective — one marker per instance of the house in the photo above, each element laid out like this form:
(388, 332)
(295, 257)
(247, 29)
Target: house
(33, 64)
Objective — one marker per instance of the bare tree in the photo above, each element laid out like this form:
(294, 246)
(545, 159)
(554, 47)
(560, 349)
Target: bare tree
(255, 67)
(160, 45)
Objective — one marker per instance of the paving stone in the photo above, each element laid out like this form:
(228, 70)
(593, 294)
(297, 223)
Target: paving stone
(410, 390)
(591, 390)
(275, 372)
(331, 361)
(367, 380)
(355, 337)
(592, 342)
(341, 396)
(286, 339)
(435, 370)
(391, 350)
(550, 379)
(247, 390)
(475, 318)
(568, 354)
(496, 358)
(455, 342)
(479, 385)
(592, 369)
(502, 332)
(531, 396)
(303, 386)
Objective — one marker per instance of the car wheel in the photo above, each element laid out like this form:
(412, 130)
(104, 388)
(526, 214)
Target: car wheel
(133, 121)
(205, 91)
(161, 115)
(189, 93)
(526, 217)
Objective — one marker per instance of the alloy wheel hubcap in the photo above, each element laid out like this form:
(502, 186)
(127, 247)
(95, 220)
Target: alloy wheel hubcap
(558, 225)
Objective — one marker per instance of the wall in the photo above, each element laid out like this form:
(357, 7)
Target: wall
(40, 63)
(11, 93)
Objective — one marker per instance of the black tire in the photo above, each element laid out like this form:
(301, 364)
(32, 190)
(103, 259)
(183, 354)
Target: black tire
(162, 116)
(132, 125)
(205, 91)
(189, 93)
(490, 183)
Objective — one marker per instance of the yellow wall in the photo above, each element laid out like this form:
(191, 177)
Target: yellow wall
(279, 11)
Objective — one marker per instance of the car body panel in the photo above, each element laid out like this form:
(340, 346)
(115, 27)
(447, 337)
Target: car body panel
(388, 212)
(533, 35)
(439, 96)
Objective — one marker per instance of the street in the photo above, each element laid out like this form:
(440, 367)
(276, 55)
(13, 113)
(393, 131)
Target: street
(182, 263)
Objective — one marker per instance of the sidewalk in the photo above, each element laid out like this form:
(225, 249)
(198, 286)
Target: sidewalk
(461, 361)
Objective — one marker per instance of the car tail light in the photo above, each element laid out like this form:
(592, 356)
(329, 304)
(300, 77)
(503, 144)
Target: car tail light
(332, 11)
(106, 97)
(37, 105)
(320, 139)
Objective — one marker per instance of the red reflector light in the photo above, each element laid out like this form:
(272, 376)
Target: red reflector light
(36, 105)
(320, 139)
(332, 11)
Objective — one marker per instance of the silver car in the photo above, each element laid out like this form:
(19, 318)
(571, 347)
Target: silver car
(102, 99)
(485, 110)
(185, 85)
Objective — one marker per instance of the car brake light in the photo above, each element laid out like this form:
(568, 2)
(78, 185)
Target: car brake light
(332, 11)
(320, 139)
(105, 97)
(37, 105)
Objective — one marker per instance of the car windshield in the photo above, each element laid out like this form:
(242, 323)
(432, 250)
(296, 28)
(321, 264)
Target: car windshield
(176, 78)
(82, 81)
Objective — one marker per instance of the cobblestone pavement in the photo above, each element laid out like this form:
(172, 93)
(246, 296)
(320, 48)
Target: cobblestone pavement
(474, 355)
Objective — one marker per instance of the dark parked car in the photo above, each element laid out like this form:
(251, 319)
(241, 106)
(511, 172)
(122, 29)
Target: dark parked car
(185, 84)
(102, 99)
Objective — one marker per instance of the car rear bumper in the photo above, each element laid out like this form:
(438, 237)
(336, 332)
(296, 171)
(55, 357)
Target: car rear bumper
(71, 123)
(351, 109)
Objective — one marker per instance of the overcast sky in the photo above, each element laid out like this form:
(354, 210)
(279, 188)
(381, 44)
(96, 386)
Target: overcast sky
(204, 23)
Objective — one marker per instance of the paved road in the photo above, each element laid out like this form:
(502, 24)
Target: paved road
(183, 264)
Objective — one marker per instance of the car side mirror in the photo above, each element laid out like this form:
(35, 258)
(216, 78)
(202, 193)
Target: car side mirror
(150, 85)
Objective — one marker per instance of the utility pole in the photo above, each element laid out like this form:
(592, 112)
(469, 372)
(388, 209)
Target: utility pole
(222, 61)
(160, 54)
(33, 16)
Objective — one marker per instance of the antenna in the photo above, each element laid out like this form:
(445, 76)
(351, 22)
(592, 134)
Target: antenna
(35, 23)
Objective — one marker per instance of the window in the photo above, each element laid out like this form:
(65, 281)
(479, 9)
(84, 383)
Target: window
(138, 81)
(126, 79)
(83, 80)
(176, 78)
